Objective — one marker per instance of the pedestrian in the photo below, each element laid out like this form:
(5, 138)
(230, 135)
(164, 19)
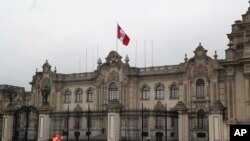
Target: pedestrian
(57, 137)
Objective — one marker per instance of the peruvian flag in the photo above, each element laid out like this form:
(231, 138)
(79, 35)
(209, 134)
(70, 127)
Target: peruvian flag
(122, 36)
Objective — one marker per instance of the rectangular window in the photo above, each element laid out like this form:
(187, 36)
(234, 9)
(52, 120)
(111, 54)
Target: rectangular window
(78, 98)
(67, 98)
(159, 122)
(159, 94)
(77, 123)
(145, 95)
(90, 97)
(113, 95)
(200, 92)
(145, 121)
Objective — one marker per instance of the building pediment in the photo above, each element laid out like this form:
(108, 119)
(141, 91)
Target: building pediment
(202, 65)
(113, 60)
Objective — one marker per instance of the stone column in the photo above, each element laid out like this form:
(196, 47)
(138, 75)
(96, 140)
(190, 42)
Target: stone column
(113, 132)
(7, 129)
(183, 121)
(215, 119)
(247, 96)
(44, 124)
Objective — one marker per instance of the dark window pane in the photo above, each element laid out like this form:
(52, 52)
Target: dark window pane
(200, 89)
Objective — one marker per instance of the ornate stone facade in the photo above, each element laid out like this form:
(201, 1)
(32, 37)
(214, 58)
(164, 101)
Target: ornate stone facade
(207, 94)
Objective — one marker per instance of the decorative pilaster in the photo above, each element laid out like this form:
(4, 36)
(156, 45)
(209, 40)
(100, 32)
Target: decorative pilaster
(7, 129)
(44, 124)
(113, 133)
(215, 119)
(247, 96)
(183, 122)
(8, 118)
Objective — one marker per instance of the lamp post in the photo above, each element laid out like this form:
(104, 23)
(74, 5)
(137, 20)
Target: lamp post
(68, 124)
(88, 123)
(77, 133)
(166, 123)
(142, 122)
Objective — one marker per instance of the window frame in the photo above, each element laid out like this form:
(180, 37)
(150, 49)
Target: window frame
(78, 95)
(200, 89)
(113, 92)
(159, 122)
(145, 93)
(159, 92)
(145, 123)
(67, 96)
(174, 92)
(201, 119)
(90, 93)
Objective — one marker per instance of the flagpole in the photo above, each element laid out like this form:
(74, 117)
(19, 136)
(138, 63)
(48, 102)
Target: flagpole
(93, 59)
(83, 59)
(152, 53)
(97, 53)
(116, 37)
(86, 61)
(135, 52)
(145, 53)
(142, 121)
(80, 65)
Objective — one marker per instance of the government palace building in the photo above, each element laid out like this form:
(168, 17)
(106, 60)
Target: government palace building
(198, 99)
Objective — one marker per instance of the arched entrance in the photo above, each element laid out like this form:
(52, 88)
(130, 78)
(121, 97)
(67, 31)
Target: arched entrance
(25, 127)
(158, 136)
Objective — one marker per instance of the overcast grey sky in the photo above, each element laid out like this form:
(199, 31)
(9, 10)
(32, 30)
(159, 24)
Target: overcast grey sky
(32, 31)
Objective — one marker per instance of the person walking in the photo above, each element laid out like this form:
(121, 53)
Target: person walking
(57, 137)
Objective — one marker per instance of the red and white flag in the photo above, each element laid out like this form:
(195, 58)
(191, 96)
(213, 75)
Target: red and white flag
(122, 36)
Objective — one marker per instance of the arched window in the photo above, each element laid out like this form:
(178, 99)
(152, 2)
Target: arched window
(159, 92)
(173, 92)
(90, 95)
(78, 94)
(200, 89)
(145, 93)
(67, 96)
(113, 92)
(201, 119)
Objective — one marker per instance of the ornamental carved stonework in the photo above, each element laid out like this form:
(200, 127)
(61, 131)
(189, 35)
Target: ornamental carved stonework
(113, 58)
(200, 71)
(200, 52)
(159, 106)
(45, 82)
(113, 76)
